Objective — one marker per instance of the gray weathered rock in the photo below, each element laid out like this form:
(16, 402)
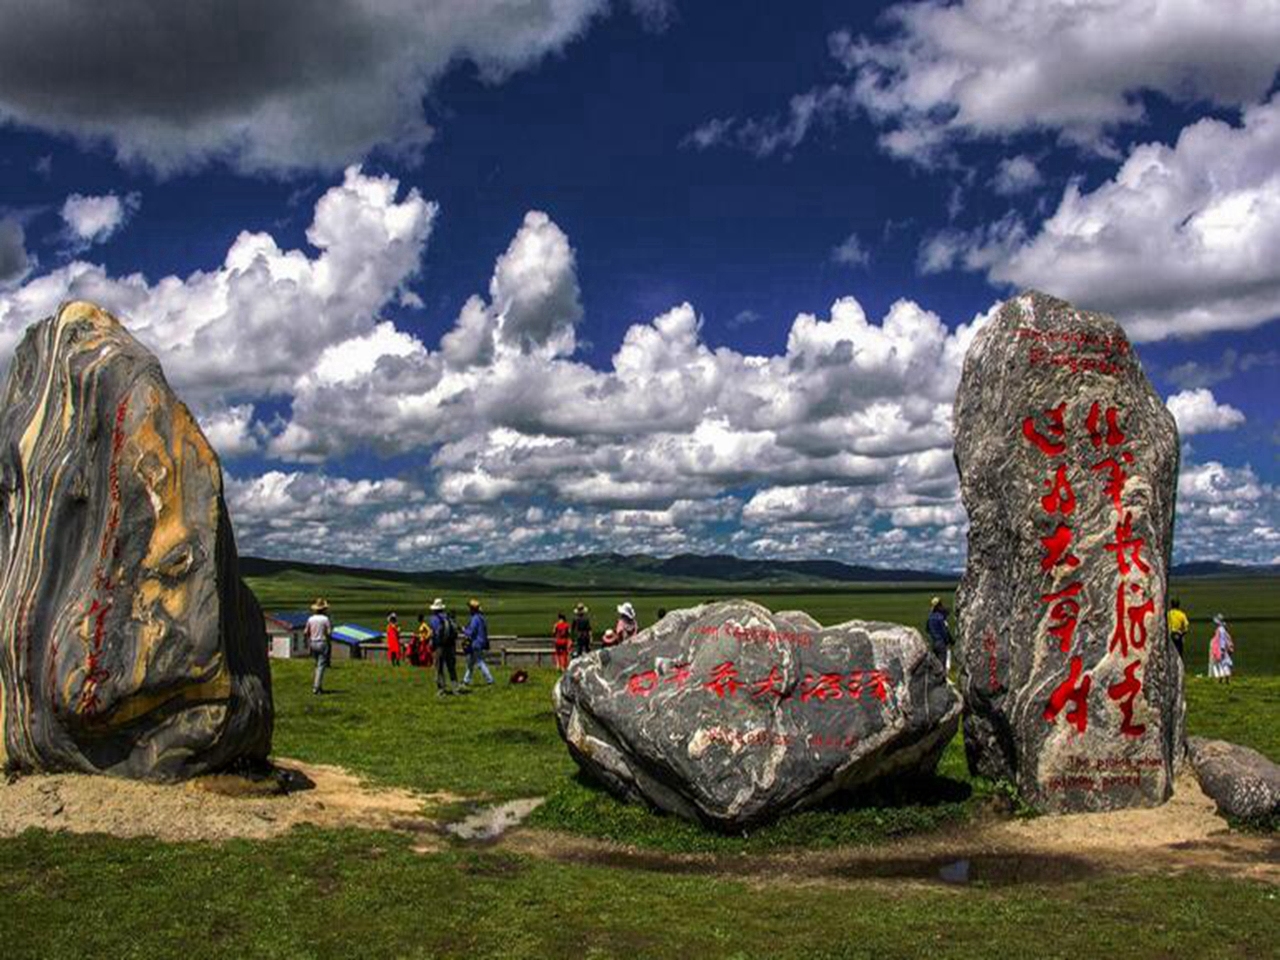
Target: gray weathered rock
(1068, 467)
(730, 715)
(1242, 782)
(128, 643)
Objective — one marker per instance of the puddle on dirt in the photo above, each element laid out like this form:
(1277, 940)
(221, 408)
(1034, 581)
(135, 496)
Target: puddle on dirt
(490, 823)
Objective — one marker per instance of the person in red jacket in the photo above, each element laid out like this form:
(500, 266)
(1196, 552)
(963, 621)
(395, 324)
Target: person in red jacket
(395, 652)
(563, 639)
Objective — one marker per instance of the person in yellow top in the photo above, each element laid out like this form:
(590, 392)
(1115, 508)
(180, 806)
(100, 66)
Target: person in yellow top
(1178, 627)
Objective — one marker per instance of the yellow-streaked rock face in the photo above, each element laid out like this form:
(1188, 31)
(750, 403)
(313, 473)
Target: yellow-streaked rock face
(128, 643)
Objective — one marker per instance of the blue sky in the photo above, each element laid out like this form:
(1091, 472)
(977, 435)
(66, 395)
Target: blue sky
(454, 282)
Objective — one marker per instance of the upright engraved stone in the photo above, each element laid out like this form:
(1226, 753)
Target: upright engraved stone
(1068, 468)
(128, 643)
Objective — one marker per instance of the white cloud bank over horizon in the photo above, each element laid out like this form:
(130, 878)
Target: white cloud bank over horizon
(839, 445)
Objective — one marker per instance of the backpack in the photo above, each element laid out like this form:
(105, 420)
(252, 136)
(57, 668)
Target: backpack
(447, 635)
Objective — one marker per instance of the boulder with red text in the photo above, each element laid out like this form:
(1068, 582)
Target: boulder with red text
(128, 643)
(730, 715)
(1068, 465)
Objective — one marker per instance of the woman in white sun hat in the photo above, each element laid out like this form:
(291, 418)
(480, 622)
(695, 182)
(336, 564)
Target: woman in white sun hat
(626, 627)
(1221, 647)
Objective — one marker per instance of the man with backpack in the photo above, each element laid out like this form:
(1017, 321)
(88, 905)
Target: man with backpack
(477, 634)
(444, 641)
(940, 639)
(581, 630)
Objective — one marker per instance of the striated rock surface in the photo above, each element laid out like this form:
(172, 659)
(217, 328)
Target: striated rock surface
(730, 715)
(1242, 782)
(1068, 466)
(128, 643)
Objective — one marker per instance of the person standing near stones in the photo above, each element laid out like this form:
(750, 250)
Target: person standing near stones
(581, 630)
(939, 633)
(420, 650)
(444, 641)
(1178, 627)
(627, 626)
(477, 634)
(395, 653)
(561, 635)
(1221, 647)
(319, 632)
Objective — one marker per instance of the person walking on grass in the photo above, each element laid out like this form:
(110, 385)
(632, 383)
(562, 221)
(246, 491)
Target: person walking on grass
(562, 634)
(1178, 627)
(319, 631)
(626, 627)
(477, 634)
(395, 652)
(581, 630)
(1221, 647)
(444, 642)
(420, 646)
(940, 638)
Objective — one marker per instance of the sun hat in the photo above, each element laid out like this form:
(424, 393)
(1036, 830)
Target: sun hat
(391, 618)
(935, 602)
(627, 610)
(609, 636)
(437, 605)
(1220, 620)
(473, 603)
(580, 608)
(320, 605)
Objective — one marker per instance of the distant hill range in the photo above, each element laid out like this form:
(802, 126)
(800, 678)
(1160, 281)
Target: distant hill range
(615, 570)
(686, 570)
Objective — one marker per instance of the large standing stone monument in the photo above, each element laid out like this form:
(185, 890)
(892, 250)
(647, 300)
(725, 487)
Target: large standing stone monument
(128, 643)
(729, 715)
(1068, 467)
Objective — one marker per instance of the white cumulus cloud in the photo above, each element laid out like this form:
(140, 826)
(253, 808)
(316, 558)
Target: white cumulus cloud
(1197, 411)
(95, 219)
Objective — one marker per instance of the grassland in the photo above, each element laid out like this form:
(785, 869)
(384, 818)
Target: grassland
(352, 893)
(345, 893)
(1251, 604)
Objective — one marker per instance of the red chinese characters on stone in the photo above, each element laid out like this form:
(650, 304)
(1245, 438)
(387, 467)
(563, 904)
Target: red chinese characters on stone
(1073, 690)
(1064, 610)
(1131, 621)
(1057, 547)
(1127, 547)
(1056, 428)
(724, 680)
(679, 675)
(642, 684)
(876, 681)
(825, 686)
(1125, 692)
(1060, 498)
(770, 685)
(1116, 477)
(1114, 436)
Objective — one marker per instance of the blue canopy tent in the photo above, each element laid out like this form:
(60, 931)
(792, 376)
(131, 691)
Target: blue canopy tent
(350, 637)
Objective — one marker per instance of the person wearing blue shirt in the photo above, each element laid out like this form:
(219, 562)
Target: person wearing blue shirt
(477, 634)
(940, 638)
(444, 640)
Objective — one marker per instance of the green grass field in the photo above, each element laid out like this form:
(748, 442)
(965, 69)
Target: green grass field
(354, 893)
(1251, 605)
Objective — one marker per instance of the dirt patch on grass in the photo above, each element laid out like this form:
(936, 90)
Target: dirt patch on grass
(212, 808)
(1184, 834)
